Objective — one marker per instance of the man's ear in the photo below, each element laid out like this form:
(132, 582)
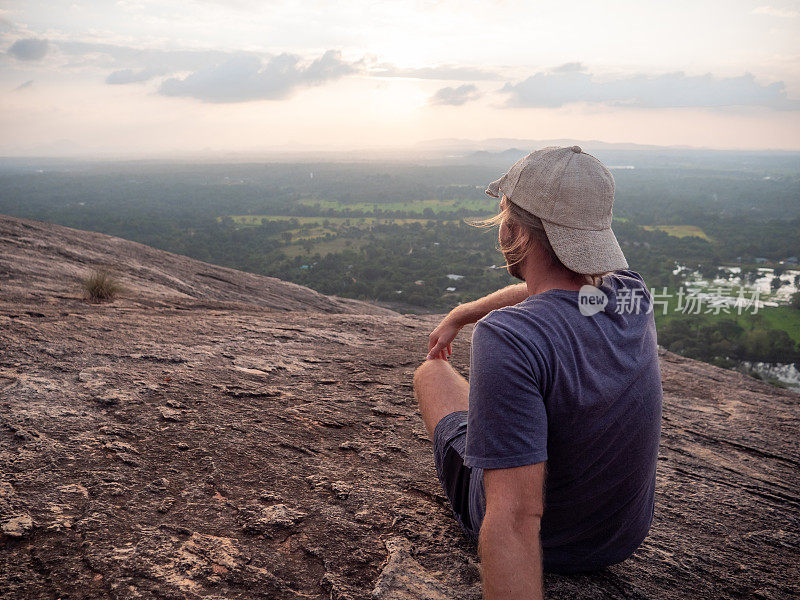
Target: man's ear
(524, 234)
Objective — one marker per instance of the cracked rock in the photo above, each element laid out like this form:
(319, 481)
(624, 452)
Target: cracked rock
(403, 578)
(17, 526)
(264, 519)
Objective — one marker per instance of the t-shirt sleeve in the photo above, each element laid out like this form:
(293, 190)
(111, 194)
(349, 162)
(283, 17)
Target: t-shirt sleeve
(507, 422)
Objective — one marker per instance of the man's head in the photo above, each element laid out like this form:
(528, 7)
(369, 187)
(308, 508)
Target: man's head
(555, 209)
(522, 240)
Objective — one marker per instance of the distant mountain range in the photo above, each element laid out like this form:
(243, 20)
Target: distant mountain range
(503, 152)
(493, 145)
(436, 149)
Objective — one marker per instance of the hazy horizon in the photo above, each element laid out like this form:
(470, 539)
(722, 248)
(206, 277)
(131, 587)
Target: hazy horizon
(145, 78)
(453, 151)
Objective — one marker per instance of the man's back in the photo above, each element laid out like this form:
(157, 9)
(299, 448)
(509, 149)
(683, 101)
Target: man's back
(584, 394)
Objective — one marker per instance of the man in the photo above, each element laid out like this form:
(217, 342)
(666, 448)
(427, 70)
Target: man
(548, 454)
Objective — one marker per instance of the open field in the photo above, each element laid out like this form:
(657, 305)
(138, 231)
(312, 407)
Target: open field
(679, 230)
(309, 233)
(255, 220)
(785, 318)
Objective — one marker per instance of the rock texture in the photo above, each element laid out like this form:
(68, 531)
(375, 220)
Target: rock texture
(184, 448)
(45, 261)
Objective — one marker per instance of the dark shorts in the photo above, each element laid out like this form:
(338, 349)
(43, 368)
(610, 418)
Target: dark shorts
(462, 485)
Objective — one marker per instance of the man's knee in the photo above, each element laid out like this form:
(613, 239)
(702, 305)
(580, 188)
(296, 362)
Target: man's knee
(428, 370)
(439, 390)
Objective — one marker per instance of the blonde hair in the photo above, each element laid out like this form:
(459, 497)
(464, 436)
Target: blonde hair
(529, 232)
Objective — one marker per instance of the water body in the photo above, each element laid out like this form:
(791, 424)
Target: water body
(760, 290)
(783, 372)
(761, 295)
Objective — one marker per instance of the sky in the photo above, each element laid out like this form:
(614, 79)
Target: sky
(144, 77)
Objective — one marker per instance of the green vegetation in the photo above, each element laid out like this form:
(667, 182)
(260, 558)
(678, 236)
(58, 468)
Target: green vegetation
(393, 233)
(727, 335)
(726, 341)
(254, 220)
(322, 248)
(100, 286)
(772, 334)
(426, 208)
(783, 318)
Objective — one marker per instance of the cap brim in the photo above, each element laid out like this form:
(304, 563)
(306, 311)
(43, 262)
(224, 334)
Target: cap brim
(586, 251)
(493, 189)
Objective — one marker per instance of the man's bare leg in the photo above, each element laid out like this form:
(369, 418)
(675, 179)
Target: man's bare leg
(439, 390)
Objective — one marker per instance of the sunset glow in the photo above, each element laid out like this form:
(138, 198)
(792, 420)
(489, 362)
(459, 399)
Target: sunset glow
(139, 76)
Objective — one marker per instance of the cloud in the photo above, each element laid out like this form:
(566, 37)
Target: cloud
(554, 89)
(450, 96)
(22, 86)
(784, 13)
(569, 67)
(124, 76)
(142, 62)
(443, 72)
(213, 75)
(153, 61)
(247, 77)
(29, 49)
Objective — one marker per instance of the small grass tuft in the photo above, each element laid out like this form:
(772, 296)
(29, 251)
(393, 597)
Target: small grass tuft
(100, 286)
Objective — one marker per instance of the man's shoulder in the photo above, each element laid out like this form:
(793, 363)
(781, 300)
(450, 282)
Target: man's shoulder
(629, 277)
(523, 324)
(508, 316)
(495, 320)
(630, 283)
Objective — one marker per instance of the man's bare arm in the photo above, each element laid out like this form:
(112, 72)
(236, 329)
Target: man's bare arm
(470, 312)
(509, 544)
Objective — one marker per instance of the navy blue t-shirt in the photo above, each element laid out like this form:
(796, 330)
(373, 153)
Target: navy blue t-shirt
(583, 393)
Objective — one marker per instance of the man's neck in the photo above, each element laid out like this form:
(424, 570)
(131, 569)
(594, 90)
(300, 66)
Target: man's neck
(541, 280)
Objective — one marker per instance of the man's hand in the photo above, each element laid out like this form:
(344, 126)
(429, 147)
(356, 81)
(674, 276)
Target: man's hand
(440, 340)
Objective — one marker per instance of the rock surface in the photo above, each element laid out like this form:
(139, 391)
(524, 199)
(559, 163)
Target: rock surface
(184, 448)
(45, 261)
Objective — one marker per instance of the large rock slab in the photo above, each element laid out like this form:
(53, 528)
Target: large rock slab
(47, 262)
(177, 450)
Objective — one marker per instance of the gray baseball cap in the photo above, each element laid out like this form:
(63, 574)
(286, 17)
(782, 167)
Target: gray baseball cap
(572, 192)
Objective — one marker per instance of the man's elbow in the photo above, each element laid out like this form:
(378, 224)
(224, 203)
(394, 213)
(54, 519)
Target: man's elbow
(516, 510)
(524, 522)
